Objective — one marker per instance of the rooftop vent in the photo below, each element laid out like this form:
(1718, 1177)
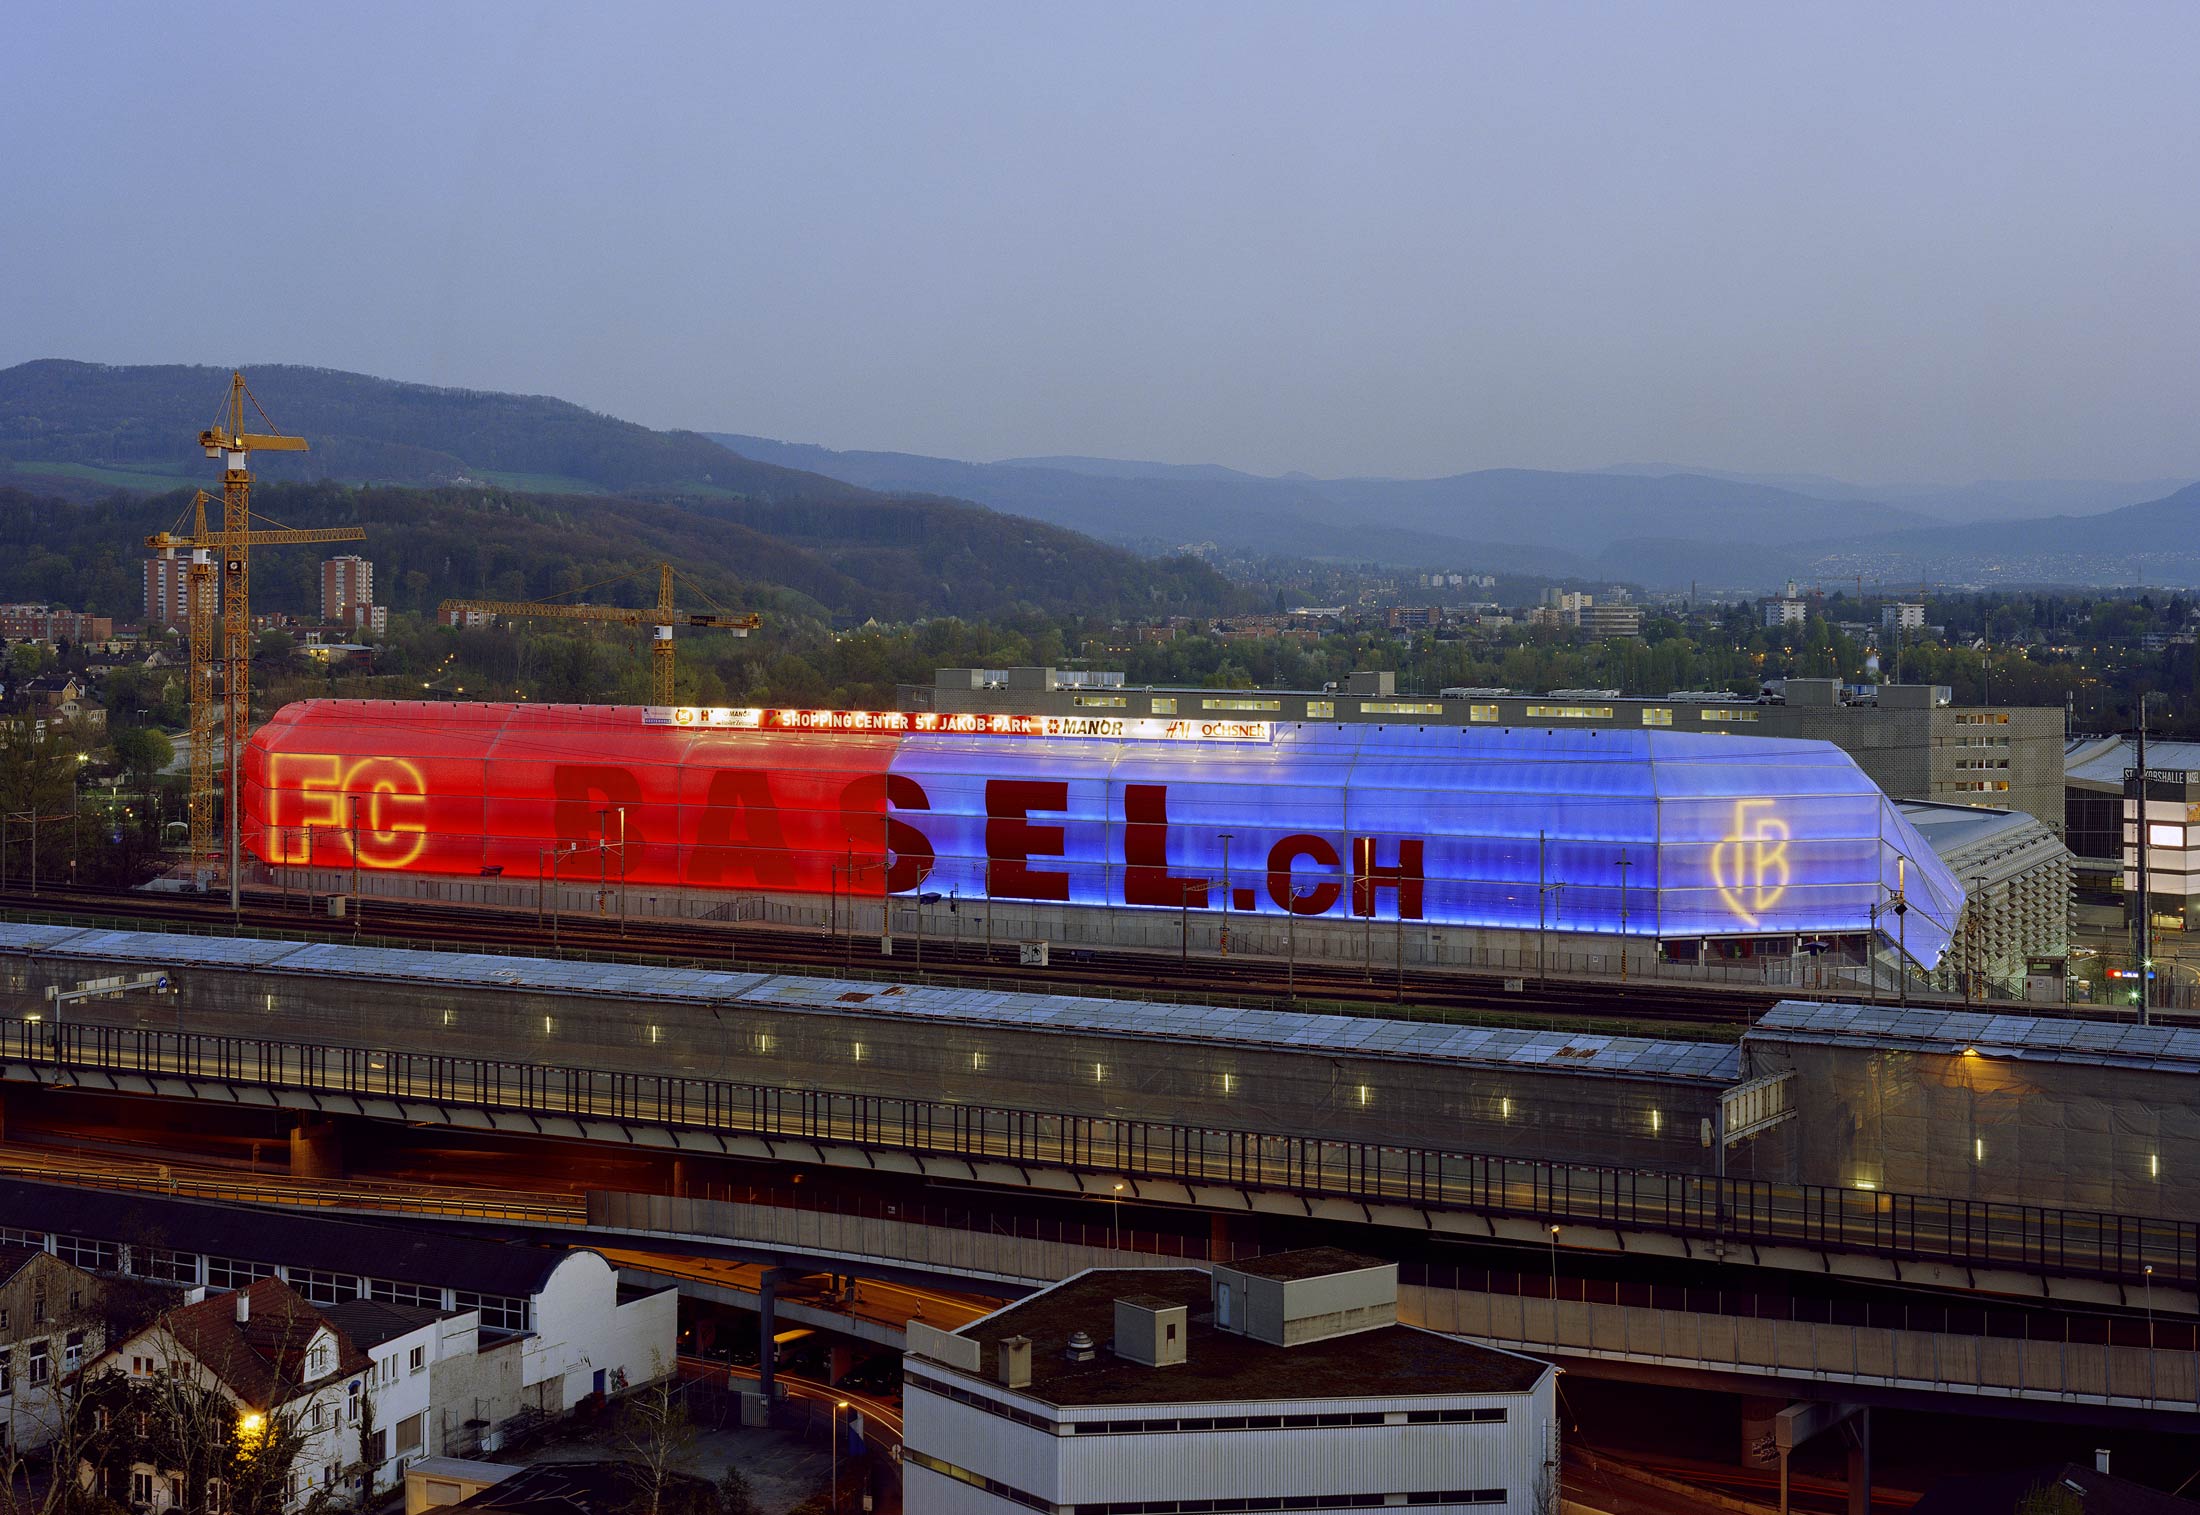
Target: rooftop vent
(1014, 1353)
(1080, 1347)
(244, 1307)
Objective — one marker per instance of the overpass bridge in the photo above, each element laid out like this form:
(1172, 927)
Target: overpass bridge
(1903, 1353)
(1428, 1128)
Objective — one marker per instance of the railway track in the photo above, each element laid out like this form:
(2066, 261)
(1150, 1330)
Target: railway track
(1710, 1009)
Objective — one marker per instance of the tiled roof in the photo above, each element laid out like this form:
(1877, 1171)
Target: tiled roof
(261, 1360)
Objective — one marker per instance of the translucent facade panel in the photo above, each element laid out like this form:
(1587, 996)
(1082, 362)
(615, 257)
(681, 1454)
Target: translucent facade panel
(1654, 833)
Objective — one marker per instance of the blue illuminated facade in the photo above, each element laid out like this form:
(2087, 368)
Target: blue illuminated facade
(1655, 834)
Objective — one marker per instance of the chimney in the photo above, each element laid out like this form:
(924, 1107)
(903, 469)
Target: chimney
(1015, 1361)
(244, 1307)
(2100, 1460)
(1080, 1347)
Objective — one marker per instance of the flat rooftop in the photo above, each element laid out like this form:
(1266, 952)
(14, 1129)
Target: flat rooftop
(1713, 1063)
(1896, 1028)
(1307, 1262)
(1388, 1362)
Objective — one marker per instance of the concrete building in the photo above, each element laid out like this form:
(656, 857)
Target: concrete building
(1283, 1383)
(1779, 611)
(2102, 803)
(1909, 740)
(1604, 622)
(347, 582)
(1902, 616)
(166, 599)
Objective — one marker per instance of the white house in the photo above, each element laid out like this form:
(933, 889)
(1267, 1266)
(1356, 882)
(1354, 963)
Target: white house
(1283, 1384)
(402, 1343)
(271, 1354)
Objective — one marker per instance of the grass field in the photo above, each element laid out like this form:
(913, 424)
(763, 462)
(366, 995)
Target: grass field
(111, 478)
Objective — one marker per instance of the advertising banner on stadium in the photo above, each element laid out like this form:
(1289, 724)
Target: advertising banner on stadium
(1661, 834)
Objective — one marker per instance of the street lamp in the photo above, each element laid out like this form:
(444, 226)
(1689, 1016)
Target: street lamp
(1554, 1268)
(838, 1406)
(1115, 1221)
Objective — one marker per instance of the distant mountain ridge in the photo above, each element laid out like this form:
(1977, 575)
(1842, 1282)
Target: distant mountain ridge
(1504, 519)
(1639, 523)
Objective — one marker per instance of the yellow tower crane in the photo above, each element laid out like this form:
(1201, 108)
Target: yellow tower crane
(662, 617)
(233, 544)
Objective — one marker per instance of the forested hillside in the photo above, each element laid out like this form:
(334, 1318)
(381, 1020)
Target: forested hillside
(853, 559)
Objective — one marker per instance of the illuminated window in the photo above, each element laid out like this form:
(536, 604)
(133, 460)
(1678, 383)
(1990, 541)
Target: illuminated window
(1482, 712)
(1984, 718)
(2159, 835)
(1657, 715)
(1727, 715)
(1164, 704)
(1401, 707)
(1099, 701)
(1569, 712)
(1321, 710)
(1241, 704)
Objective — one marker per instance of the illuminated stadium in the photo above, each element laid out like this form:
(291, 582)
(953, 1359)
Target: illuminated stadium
(1678, 837)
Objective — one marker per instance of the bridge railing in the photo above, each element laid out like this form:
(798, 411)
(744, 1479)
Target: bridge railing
(1976, 1233)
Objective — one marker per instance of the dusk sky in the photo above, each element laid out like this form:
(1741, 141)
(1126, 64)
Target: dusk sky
(1901, 242)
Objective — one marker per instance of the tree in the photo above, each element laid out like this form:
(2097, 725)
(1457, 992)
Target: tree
(654, 1436)
(144, 753)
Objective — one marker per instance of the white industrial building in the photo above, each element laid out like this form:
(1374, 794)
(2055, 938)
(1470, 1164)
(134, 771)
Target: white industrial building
(1280, 1384)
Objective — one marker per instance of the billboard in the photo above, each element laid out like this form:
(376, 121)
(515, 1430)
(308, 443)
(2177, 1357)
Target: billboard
(1649, 833)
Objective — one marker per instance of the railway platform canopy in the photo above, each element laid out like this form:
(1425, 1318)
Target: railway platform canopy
(1680, 837)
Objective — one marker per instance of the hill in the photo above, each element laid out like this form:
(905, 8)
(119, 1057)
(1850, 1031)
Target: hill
(2155, 542)
(479, 493)
(848, 561)
(146, 420)
(1639, 527)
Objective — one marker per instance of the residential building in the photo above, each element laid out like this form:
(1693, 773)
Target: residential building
(272, 1355)
(1283, 1383)
(1413, 617)
(1903, 615)
(53, 1317)
(346, 582)
(403, 1344)
(166, 600)
(554, 1323)
(43, 623)
(1780, 611)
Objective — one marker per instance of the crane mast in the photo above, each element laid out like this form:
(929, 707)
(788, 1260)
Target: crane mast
(231, 547)
(660, 619)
